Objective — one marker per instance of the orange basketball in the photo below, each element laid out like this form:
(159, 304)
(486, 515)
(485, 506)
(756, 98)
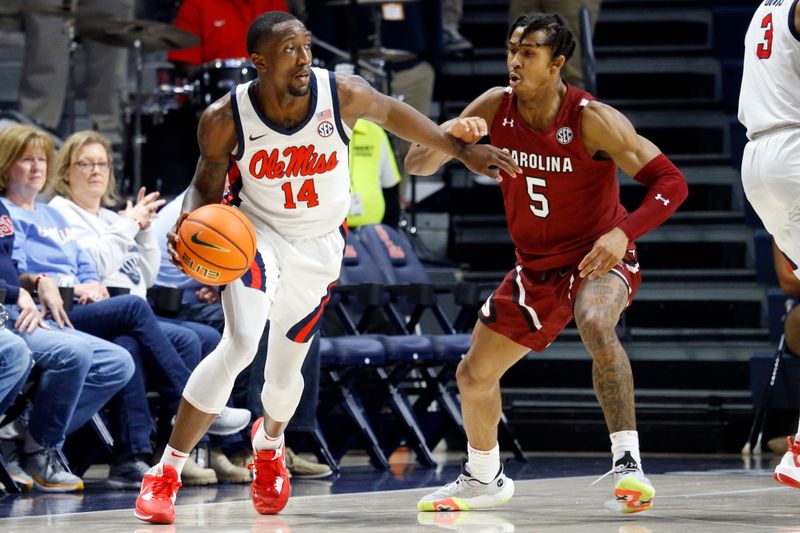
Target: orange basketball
(216, 244)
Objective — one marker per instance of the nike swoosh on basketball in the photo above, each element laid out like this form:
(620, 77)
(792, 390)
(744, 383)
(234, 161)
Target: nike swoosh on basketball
(257, 138)
(196, 239)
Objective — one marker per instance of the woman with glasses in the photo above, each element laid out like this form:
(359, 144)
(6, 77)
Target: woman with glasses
(80, 372)
(126, 253)
(45, 244)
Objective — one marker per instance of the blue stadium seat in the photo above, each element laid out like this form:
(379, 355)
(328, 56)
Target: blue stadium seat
(344, 360)
(413, 294)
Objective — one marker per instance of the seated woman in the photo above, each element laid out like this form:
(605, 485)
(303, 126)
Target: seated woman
(45, 245)
(122, 245)
(80, 372)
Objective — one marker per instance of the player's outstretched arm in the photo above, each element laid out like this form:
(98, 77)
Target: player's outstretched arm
(608, 134)
(358, 100)
(216, 136)
(423, 160)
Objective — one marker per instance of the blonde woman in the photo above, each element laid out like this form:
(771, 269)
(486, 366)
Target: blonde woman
(126, 254)
(81, 372)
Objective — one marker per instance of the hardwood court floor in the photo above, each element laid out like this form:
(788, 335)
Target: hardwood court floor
(694, 494)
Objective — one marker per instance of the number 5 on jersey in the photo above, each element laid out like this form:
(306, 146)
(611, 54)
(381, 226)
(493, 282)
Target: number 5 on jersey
(539, 206)
(306, 194)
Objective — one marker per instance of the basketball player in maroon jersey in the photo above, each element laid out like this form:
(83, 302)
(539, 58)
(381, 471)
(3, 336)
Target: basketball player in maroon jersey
(574, 251)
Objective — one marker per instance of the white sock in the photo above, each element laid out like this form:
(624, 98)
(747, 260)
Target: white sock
(262, 441)
(173, 457)
(483, 465)
(797, 435)
(625, 441)
(30, 446)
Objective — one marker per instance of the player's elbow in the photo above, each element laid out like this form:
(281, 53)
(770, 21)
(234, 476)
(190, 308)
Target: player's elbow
(682, 188)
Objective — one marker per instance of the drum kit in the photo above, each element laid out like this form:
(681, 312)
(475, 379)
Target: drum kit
(209, 82)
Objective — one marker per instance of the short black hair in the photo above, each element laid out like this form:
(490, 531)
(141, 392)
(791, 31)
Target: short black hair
(263, 26)
(559, 38)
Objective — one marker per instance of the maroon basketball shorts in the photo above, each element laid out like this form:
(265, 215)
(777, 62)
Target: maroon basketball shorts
(532, 307)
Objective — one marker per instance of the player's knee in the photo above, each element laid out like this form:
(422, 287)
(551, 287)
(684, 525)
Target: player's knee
(242, 345)
(594, 321)
(471, 379)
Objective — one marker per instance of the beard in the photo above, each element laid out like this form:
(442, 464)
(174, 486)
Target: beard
(295, 91)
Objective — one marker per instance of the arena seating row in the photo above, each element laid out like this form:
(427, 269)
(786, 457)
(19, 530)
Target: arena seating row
(379, 348)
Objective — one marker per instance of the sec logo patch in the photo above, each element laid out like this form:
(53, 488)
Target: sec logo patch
(564, 135)
(325, 129)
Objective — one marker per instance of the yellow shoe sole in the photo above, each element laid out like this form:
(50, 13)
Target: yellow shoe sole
(634, 496)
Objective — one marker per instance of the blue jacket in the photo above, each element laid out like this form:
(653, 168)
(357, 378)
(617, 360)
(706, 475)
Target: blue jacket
(9, 275)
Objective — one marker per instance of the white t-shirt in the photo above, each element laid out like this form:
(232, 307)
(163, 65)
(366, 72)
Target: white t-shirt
(125, 255)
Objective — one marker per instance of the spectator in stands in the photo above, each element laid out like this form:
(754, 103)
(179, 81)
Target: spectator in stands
(452, 11)
(45, 69)
(45, 246)
(123, 247)
(374, 177)
(15, 365)
(201, 303)
(221, 27)
(412, 27)
(80, 372)
(570, 10)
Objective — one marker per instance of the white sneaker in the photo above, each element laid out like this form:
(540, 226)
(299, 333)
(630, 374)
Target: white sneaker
(788, 470)
(466, 493)
(633, 492)
(229, 421)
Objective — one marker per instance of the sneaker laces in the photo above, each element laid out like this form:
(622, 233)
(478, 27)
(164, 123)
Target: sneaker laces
(619, 469)
(262, 464)
(163, 487)
(52, 461)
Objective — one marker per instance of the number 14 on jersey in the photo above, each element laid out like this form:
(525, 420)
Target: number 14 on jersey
(306, 193)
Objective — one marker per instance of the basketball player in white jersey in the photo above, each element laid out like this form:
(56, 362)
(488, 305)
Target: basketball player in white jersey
(281, 141)
(769, 107)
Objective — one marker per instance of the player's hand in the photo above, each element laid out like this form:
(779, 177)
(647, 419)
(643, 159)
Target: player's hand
(608, 250)
(29, 316)
(483, 158)
(468, 129)
(172, 241)
(52, 303)
(208, 295)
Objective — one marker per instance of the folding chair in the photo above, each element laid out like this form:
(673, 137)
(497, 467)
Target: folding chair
(413, 295)
(361, 291)
(344, 361)
(753, 445)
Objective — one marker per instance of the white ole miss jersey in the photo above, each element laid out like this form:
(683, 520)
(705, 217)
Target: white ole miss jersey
(296, 180)
(770, 95)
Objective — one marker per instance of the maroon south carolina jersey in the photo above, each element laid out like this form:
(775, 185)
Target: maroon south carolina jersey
(564, 200)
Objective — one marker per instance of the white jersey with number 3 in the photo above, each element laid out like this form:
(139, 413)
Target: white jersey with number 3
(295, 180)
(770, 95)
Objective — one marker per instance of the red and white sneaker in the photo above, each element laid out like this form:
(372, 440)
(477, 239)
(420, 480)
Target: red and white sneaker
(156, 501)
(788, 470)
(270, 489)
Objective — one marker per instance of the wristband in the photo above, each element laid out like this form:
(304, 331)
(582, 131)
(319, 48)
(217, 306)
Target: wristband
(38, 279)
